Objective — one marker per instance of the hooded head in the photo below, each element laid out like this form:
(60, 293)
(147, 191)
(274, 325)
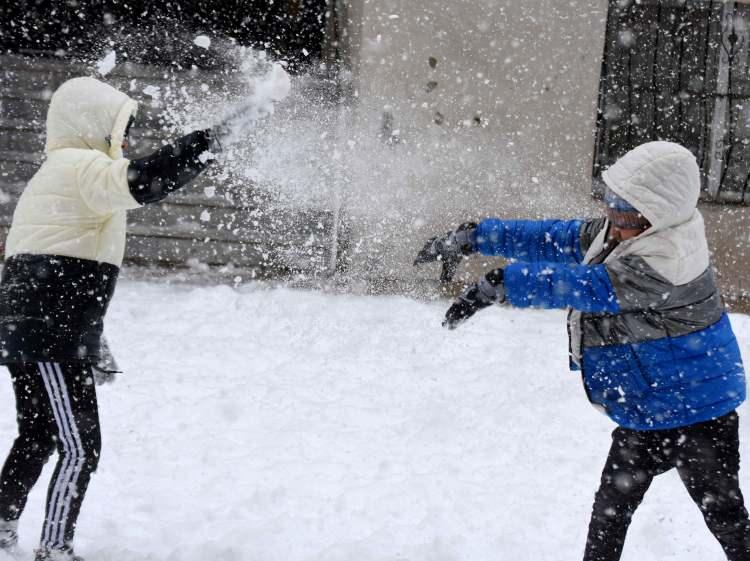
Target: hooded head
(661, 180)
(89, 114)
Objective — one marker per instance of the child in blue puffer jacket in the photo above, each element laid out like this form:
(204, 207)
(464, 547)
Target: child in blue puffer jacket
(648, 332)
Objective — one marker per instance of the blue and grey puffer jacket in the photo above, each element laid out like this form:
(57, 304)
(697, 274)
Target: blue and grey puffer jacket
(647, 325)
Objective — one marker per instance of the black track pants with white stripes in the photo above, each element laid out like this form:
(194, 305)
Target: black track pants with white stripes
(56, 408)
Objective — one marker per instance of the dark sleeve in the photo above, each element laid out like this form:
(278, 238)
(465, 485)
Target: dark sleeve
(154, 177)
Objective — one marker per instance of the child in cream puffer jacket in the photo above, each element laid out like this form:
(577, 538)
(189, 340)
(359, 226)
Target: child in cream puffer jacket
(63, 255)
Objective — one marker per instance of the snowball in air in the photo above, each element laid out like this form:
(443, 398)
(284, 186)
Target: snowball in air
(202, 41)
(152, 91)
(279, 84)
(106, 65)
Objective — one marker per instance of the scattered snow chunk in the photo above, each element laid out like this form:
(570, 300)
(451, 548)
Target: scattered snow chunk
(152, 91)
(202, 41)
(205, 216)
(105, 65)
(276, 85)
(203, 157)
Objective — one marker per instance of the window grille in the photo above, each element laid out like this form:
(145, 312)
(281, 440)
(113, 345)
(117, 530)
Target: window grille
(679, 70)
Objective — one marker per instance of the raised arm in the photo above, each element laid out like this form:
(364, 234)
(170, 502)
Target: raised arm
(624, 285)
(172, 166)
(108, 185)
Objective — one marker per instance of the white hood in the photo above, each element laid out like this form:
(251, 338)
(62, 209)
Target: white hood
(89, 114)
(662, 180)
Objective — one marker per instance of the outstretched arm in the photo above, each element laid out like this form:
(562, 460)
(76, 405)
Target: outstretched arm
(543, 285)
(172, 166)
(531, 241)
(109, 186)
(554, 285)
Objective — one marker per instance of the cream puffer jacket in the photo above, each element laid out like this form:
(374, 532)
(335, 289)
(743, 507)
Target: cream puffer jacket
(75, 204)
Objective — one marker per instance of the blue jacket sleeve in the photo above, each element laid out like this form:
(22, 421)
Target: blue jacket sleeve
(553, 285)
(531, 241)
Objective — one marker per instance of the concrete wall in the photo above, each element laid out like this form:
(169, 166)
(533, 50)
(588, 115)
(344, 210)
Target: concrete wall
(493, 104)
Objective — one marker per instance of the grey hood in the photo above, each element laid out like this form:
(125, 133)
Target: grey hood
(662, 180)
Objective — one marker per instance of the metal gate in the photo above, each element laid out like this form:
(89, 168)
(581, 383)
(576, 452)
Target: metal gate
(679, 70)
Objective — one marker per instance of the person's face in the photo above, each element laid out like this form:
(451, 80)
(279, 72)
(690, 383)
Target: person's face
(614, 209)
(622, 234)
(125, 141)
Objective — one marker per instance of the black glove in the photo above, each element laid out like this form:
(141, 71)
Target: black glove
(450, 249)
(490, 290)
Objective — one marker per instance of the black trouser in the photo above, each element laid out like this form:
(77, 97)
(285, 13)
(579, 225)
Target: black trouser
(707, 459)
(56, 408)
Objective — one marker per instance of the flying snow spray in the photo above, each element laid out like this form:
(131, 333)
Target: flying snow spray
(269, 83)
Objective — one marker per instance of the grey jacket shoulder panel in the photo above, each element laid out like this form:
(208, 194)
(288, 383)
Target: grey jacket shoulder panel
(637, 285)
(653, 308)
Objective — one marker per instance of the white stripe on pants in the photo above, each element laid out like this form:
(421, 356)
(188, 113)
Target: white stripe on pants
(64, 489)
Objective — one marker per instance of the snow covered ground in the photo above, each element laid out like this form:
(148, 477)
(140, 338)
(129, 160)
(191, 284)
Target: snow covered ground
(280, 425)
